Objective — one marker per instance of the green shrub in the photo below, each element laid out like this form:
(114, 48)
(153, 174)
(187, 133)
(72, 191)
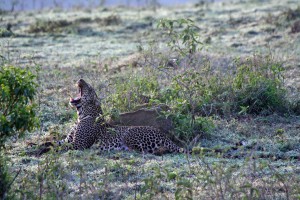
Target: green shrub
(5, 33)
(187, 127)
(17, 112)
(182, 36)
(186, 94)
(132, 90)
(255, 86)
(197, 92)
(258, 86)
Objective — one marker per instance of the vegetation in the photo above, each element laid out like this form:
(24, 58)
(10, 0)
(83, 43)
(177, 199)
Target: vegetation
(198, 92)
(17, 113)
(48, 26)
(5, 33)
(65, 26)
(236, 110)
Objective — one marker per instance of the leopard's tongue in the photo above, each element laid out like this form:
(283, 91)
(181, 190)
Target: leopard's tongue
(74, 99)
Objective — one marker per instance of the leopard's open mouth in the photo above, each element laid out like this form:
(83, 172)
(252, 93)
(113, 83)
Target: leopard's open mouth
(76, 100)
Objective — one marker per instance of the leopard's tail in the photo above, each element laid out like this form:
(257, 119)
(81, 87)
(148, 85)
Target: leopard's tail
(173, 148)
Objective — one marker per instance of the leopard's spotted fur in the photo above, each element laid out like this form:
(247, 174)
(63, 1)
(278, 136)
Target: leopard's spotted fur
(91, 128)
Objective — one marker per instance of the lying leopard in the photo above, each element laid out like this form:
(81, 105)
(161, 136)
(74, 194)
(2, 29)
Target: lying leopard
(91, 128)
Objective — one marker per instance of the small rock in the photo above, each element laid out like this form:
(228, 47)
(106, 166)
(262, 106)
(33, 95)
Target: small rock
(252, 33)
(235, 45)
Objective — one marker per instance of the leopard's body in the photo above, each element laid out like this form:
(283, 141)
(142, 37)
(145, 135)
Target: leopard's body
(91, 128)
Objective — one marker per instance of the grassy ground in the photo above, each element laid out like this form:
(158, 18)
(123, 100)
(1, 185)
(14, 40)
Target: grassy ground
(98, 45)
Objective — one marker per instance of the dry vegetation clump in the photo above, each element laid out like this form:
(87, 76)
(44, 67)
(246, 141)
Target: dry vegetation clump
(291, 14)
(285, 19)
(109, 21)
(295, 27)
(42, 26)
(65, 26)
(83, 20)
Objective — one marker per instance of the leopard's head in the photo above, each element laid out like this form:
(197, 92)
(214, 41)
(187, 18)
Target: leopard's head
(87, 102)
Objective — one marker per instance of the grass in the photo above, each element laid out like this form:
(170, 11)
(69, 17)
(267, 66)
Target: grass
(123, 175)
(220, 100)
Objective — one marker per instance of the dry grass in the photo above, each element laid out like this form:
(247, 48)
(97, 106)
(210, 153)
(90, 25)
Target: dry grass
(234, 31)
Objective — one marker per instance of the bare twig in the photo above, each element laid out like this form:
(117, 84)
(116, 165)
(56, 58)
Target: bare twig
(9, 185)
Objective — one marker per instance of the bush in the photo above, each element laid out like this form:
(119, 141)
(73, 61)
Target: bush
(255, 86)
(184, 41)
(5, 33)
(198, 91)
(132, 91)
(188, 128)
(258, 87)
(195, 91)
(17, 112)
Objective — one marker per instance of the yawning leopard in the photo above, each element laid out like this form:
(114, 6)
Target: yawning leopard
(91, 128)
